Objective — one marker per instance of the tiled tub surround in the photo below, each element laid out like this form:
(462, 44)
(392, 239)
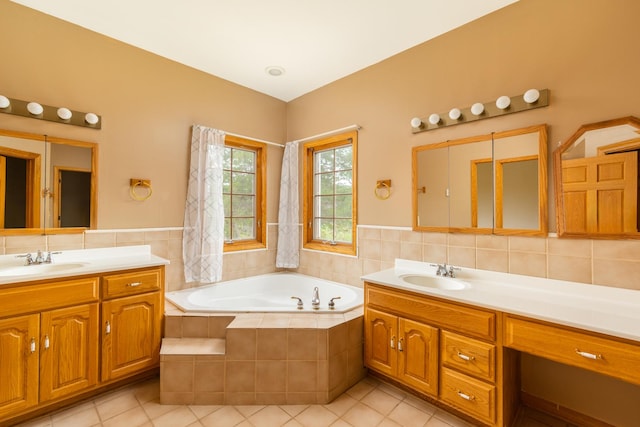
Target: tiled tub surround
(259, 358)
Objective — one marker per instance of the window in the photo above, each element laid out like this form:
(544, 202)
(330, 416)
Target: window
(243, 192)
(330, 194)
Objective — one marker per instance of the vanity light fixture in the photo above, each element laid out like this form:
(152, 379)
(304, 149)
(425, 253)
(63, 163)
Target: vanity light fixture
(416, 123)
(64, 113)
(477, 109)
(531, 99)
(91, 118)
(35, 110)
(503, 102)
(455, 113)
(531, 96)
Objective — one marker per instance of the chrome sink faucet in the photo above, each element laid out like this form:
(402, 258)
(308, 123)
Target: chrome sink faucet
(445, 270)
(40, 257)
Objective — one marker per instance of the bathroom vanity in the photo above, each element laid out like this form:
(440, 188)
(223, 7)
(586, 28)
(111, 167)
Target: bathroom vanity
(457, 341)
(88, 321)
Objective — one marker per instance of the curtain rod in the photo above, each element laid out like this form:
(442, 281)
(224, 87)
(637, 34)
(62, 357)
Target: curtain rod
(255, 139)
(331, 132)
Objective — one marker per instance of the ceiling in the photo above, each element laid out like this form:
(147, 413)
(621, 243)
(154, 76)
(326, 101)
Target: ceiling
(315, 42)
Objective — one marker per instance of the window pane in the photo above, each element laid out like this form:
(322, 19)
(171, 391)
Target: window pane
(343, 182)
(226, 201)
(343, 230)
(324, 161)
(343, 158)
(243, 183)
(243, 229)
(243, 160)
(227, 229)
(323, 229)
(343, 207)
(242, 206)
(226, 181)
(324, 206)
(324, 184)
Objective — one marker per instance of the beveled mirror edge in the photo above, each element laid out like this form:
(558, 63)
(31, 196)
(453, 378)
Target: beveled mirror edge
(543, 206)
(557, 179)
(93, 222)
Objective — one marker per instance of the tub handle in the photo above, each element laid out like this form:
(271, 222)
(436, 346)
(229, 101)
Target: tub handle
(332, 304)
(300, 303)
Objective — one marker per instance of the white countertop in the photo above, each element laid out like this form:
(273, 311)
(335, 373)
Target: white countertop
(608, 310)
(81, 262)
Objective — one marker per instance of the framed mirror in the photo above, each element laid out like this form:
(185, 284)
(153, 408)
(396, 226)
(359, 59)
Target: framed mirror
(494, 183)
(596, 180)
(47, 184)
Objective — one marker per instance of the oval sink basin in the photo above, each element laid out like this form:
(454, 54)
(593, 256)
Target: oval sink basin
(446, 283)
(26, 270)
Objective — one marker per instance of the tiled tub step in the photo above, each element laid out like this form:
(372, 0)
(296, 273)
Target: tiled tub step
(192, 346)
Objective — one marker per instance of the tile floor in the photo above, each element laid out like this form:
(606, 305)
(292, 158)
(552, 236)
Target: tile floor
(369, 403)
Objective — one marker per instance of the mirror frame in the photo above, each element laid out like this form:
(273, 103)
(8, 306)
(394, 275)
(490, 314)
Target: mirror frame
(557, 177)
(41, 205)
(542, 229)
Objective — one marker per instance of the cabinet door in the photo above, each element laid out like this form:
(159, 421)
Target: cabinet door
(381, 340)
(69, 351)
(18, 363)
(418, 355)
(131, 334)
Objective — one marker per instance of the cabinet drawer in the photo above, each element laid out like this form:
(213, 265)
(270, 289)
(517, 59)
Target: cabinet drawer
(475, 322)
(599, 353)
(467, 355)
(131, 283)
(46, 296)
(474, 397)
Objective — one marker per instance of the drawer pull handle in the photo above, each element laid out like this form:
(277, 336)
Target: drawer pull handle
(107, 328)
(466, 396)
(400, 344)
(392, 344)
(32, 345)
(465, 357)
(46, 341)
(587, 355)
(134, 284)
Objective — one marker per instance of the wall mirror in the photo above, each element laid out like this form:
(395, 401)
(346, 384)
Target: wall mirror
(47, 184)
(596, 180)
(494, 183)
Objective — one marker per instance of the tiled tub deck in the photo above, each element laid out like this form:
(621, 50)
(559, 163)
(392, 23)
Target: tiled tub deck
(259, 358)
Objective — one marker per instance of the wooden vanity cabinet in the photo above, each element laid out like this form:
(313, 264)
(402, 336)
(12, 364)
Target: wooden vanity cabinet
(441, 349)
(71, 337)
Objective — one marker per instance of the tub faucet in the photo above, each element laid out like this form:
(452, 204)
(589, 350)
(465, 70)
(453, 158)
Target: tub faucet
(315, 301)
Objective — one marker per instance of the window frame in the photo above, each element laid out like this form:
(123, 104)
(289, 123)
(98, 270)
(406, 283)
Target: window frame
(310, 148)
(260, 241)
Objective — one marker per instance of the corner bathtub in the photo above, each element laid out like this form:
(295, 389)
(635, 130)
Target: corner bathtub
(268, 293)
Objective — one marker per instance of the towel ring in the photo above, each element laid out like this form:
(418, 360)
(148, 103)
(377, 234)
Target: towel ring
(385, 185)
(142, 183)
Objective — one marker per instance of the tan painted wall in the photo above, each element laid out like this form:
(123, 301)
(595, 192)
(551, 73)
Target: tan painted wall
(147, 104)
(583, 51)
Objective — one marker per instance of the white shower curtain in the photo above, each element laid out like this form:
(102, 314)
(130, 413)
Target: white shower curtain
(203, 234)
(287, 254)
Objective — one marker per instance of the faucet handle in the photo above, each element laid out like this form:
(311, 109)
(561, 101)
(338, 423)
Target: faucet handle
(28, 256)
(300, 304)
(49, 260)
(332, 304)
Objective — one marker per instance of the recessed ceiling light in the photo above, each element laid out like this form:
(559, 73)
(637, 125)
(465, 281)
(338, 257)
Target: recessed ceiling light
(274, 71)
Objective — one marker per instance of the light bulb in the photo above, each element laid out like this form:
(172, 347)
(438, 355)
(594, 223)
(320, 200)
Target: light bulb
(434, 119)
(531, 96)
(64, 113)
(91, 118)
(454, 114)
(416, 122)
(477, 109)
(35, 108)
(4, 101)
(503, 102)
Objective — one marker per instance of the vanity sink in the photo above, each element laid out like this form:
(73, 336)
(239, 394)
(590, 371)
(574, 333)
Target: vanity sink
(446, 283)
(26, 270)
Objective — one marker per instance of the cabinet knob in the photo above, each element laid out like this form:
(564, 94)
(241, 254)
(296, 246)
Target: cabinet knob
(392, 344)
(134, 284)
(587, 355)
(466, 396)
(107, 329)
(400, 344)
(465, 357)
(46, 341)
(32, 345)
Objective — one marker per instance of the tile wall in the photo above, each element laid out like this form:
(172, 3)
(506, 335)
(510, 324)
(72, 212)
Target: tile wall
(605, 262)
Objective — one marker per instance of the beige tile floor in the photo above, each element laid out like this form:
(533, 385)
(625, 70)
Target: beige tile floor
(369, 403)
